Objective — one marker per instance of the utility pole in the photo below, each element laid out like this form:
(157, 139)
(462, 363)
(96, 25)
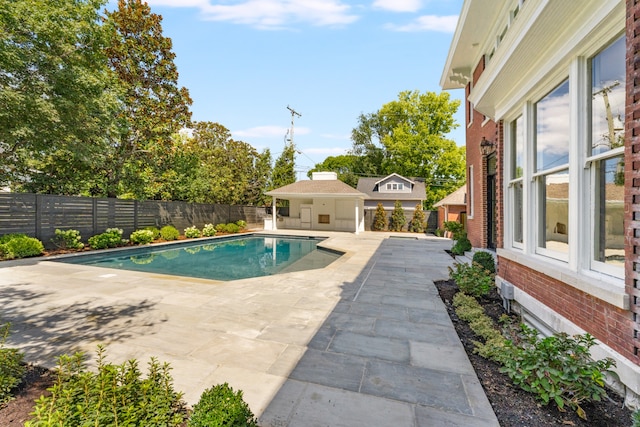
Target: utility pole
(293, 114)
(605, 97)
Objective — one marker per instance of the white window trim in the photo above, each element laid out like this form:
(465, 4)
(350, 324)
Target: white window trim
(470, 195)
(577, 267)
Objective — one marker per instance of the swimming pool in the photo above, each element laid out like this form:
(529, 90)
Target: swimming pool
(232, 258)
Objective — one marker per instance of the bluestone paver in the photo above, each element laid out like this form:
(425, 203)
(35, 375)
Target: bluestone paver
(365, 341)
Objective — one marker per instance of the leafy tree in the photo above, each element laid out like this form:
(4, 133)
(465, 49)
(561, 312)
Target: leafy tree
(55, 94)
(284, 169)
(398, 220)
(407, 136)
(227, 171)
(343, 165)
(153, 106)
(417, 224)
(380, 219)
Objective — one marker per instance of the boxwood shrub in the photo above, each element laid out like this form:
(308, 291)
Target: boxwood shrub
(169, 232)
(19, 246)
(221, 406)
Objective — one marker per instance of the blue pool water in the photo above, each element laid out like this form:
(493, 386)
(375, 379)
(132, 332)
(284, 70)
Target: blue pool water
(219, 259)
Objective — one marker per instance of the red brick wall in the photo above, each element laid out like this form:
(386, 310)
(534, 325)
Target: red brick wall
(477, 226)
(632, 177)
(454, 214)
(609, 324)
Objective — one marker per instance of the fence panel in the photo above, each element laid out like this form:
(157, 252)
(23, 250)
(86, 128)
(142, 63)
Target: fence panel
(39, 215)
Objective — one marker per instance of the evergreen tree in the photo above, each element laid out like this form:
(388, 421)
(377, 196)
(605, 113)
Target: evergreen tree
(380, 220)
(417, 224)
(398, 219)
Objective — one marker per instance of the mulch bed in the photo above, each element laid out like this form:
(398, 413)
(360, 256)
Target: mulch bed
(513, 406)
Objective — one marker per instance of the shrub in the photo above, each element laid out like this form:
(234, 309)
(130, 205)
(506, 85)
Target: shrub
(557, 368)
(114, 395)
(221, 228)
(485, 259)
(232, 228)
(169, 232)
(472, 279)
(635, 418)
(241, 224)
(380, 219)
(398, 220)
(417, 222)
(461, 245)
(221, 406)
(439, 232)
(141, 237)
(111, 238)
(155, 231)
(67, 239)
(11, 367)
(192, 232)
(19, 246)
(208, 230)
(468, 309)
(455, 228)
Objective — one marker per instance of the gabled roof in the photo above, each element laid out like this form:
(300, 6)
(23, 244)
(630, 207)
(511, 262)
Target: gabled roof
(396, 175)
(368, 186)
(458, 197)
(321, 188)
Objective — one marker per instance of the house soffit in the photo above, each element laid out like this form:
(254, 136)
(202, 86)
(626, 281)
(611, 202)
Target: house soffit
(539, 44)
(477, 23)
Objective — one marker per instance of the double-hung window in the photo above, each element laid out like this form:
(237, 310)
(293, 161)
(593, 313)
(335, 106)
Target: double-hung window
(552, 129)
(605, 157)
(516, 181)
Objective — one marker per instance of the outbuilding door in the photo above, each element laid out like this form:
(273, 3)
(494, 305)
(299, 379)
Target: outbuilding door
(305, 217)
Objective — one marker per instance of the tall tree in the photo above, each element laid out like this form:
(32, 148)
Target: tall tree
(56, 101)
(344, 166)
(284, 169)
(407, 136)
(228, 171)
(154, 107)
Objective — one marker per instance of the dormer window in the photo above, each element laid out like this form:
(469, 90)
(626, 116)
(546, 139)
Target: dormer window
(395, 186)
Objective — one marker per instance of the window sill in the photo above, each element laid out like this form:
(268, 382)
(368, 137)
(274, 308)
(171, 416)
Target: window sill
(601, 286)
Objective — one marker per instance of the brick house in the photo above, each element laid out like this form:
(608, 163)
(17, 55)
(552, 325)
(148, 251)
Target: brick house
(552, 94)
(453, 207)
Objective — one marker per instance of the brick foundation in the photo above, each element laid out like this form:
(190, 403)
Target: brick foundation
(609, 324)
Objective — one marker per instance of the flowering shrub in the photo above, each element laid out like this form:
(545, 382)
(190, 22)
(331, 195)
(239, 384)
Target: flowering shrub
(141, 237)
(67, 239)
(192, 232)
(208, 230)
(111, 238)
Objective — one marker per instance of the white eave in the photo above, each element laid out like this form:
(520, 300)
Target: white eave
(538, 44)
(475, 23)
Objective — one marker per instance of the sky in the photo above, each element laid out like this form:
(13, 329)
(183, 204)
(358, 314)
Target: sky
(245, 61)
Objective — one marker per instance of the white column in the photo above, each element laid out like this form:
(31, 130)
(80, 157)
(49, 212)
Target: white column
(357, 221)
(274, 216)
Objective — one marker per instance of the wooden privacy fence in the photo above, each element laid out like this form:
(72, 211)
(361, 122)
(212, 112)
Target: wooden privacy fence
(38, 215)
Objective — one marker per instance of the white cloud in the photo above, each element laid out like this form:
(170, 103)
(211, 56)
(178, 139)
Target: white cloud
(270, 14)
(444, 24)
(269, 132)
(398, 5)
